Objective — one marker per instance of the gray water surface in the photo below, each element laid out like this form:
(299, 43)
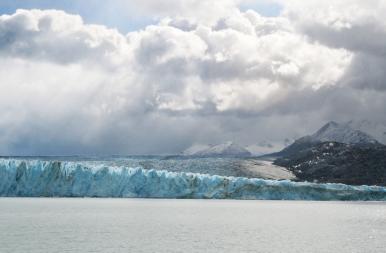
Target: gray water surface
(147, 225)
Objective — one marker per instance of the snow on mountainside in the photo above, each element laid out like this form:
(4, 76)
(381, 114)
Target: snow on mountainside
(195, 148)
(352, 132)
(331, 132)
(375, 129)
(222, 150)
(342, 133)
(336, 153)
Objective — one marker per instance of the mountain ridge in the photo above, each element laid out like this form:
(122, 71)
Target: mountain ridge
(343, 133)
(330, 132)
(227, 149)
(336, 153)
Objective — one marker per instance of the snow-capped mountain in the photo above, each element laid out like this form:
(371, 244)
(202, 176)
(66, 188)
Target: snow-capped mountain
(195, 148)
(228, 149)
(342, 133)
(375, 129)
(336, 153)
(331, 132)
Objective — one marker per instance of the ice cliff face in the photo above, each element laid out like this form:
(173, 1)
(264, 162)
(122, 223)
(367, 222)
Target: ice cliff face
(67, 179)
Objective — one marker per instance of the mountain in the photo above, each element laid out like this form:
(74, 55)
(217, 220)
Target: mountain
(195, 148)
(333, 162)
(336, 153)
(375, 129)
(342, 133)
(228, 149)
(331, 132)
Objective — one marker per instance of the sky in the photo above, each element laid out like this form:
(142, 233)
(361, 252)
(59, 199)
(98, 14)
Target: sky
(126, 16)
(155, 77)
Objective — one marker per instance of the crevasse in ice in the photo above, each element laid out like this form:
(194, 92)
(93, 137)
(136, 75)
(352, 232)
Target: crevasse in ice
(70, 179)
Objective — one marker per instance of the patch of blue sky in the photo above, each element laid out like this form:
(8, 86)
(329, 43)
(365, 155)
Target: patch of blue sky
(112, 13)
(263, 7)
(92, 11)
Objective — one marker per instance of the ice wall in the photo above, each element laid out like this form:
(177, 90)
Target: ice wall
(68, 179)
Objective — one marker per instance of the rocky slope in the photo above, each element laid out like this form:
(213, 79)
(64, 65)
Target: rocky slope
(336, 153)
(331, 132)
(334, 162)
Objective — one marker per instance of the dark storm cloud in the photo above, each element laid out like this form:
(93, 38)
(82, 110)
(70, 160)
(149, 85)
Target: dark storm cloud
(73, 88)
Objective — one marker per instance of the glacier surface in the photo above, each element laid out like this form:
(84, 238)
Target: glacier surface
(37, 178)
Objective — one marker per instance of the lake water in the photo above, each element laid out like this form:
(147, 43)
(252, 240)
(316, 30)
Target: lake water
(148, 225)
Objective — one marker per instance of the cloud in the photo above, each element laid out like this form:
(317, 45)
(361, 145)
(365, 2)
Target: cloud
(238, 64)
(205, 12)
(68, 87)
(59, 37)
(357, 26)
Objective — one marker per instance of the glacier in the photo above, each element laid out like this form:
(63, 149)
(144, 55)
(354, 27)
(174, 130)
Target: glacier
(37, 178)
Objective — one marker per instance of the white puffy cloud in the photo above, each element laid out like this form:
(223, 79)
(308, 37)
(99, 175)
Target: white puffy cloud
(57, 36)
(357, 26)
(241, 63)
(69, 87)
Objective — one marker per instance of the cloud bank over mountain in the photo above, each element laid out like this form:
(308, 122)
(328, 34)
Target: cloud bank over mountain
(205, 76)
